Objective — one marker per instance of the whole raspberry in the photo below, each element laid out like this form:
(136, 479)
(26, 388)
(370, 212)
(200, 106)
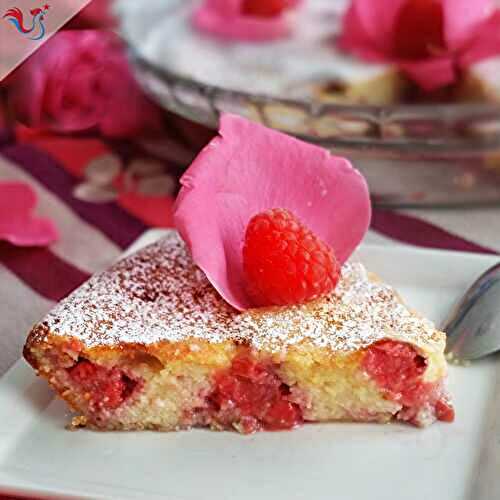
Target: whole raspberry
(285, 262)
(264, 8)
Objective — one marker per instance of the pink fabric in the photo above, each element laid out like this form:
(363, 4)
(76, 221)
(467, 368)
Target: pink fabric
(249, 169)
(224, 19)
(470, 31)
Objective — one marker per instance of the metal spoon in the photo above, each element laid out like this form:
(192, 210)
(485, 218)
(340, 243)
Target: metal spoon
(473, 326)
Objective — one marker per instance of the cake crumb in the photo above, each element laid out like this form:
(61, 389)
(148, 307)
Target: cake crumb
(77, 423)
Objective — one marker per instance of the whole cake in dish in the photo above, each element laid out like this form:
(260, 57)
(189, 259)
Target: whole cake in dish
(328, 51)
(251, 316)
(302, 61)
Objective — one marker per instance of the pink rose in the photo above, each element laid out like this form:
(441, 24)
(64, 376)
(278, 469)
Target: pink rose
(96, 14)
(80, 80)
(251, 20)
(430, 40)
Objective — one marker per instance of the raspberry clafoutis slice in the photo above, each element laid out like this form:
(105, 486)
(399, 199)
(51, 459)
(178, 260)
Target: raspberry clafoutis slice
(150, 344)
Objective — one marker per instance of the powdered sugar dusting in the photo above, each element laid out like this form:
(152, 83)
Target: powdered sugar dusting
(158, 294)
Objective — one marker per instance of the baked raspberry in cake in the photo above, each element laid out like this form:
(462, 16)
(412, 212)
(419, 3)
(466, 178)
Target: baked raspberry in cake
(150, 344)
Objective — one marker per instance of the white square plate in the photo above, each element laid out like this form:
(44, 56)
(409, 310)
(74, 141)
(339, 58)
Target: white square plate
(342, 461)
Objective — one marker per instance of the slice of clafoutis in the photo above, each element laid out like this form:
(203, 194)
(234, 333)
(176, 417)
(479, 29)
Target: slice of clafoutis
(149, 344)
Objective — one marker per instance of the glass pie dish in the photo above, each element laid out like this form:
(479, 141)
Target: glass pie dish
(413, 155)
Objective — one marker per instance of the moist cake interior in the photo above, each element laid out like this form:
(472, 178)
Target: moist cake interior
(149, 344)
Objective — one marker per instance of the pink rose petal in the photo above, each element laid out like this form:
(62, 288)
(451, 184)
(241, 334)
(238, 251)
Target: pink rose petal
(377, 19)
(486, 44)
(224, 7)
(356, 40)
(462, 19)
(96, 14)
(17, 226)
(471, 32)
(248, 169)
(224, 19)
(16, 198)
(22, 231)
(29, 80)
(430, 74)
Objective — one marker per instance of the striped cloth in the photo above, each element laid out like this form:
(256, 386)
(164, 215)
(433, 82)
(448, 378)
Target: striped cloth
(82, 186)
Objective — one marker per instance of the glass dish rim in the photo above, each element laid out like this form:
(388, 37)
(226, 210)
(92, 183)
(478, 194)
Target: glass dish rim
(445, 113)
